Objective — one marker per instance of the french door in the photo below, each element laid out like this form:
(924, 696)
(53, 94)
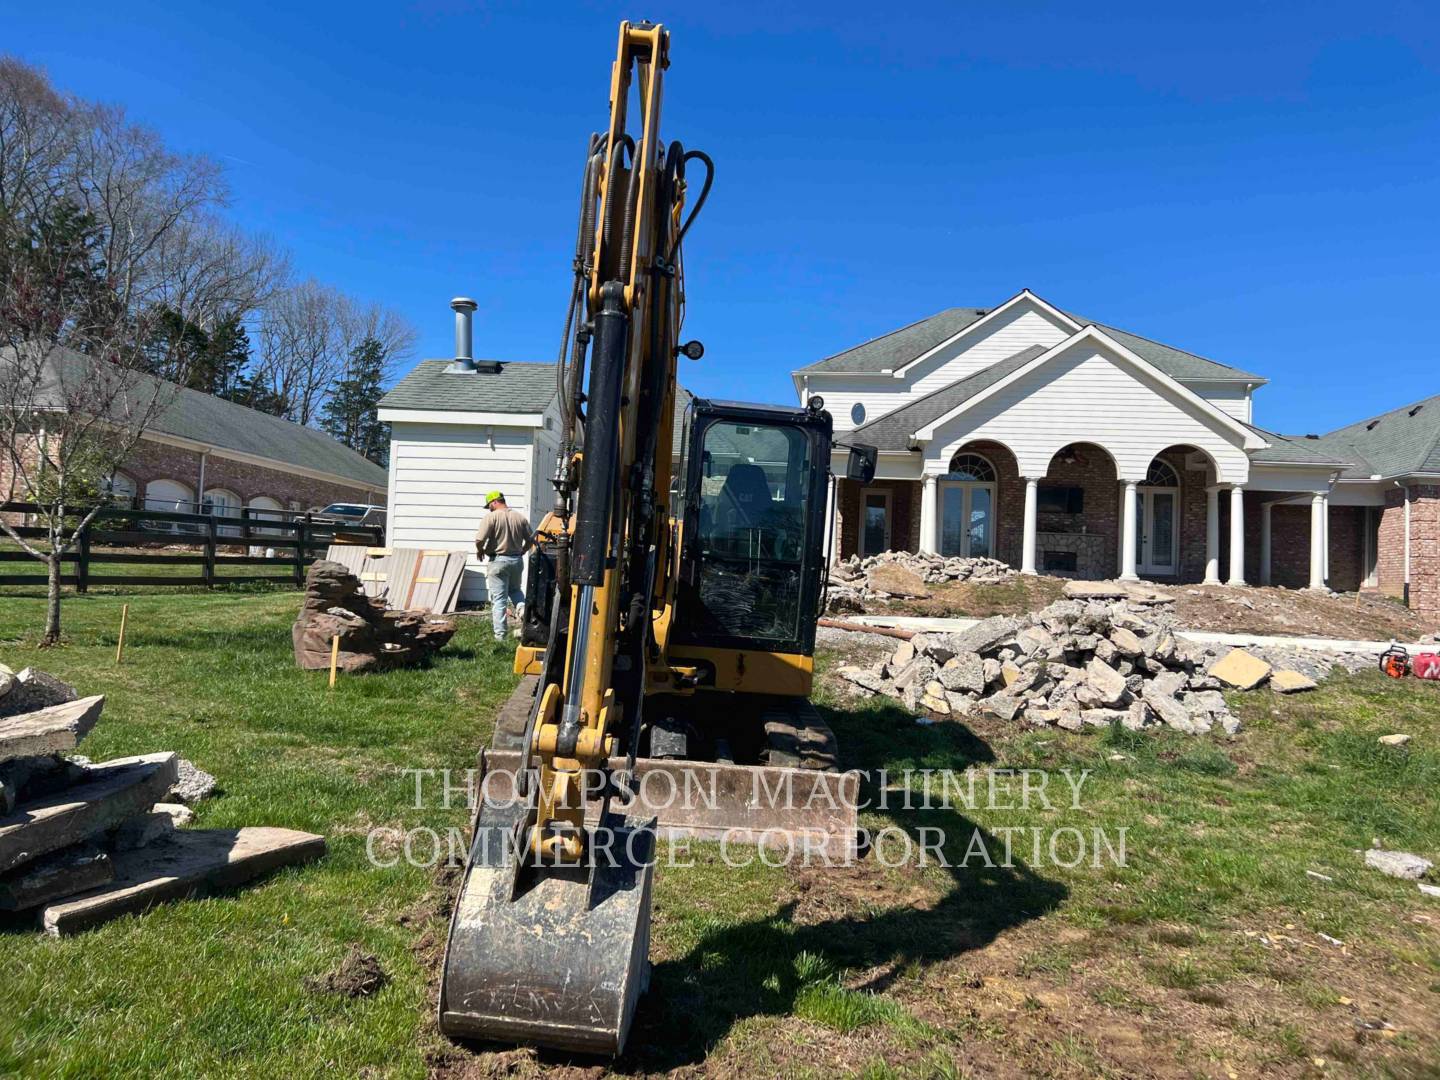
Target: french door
(967, 519)
(874, 522)
(1157, 522)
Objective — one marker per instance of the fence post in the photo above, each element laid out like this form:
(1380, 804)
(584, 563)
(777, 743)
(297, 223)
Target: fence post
(302, 535)
(210, 552)
(82, 563)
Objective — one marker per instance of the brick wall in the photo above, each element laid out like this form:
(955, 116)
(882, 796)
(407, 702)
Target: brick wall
(1424, 547)
(158, 461)
(904, 514)
(1094, 473)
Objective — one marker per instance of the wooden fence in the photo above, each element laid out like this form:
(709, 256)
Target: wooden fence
(123, 536)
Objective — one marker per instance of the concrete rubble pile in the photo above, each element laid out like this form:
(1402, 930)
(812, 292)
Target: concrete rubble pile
(372, 636)
(905, 575)
(83, 842)
(1079, 665)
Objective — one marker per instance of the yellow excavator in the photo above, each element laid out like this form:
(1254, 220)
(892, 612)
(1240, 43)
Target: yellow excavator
(667, 643)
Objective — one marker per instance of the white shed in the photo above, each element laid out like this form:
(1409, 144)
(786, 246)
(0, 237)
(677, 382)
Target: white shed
(458, 430)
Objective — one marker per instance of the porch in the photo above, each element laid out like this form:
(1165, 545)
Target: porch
(1081, 519)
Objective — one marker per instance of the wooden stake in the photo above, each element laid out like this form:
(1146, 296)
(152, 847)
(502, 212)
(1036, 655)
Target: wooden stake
(334, 658)
(120, 645)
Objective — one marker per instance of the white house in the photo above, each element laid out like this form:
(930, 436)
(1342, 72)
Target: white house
(1060, 444)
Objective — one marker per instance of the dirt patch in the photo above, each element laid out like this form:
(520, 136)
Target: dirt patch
(357, 975)
(1257, 610)
(965, 599)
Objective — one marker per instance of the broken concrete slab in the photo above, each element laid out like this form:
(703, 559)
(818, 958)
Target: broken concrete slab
(64, 873)
(1398, 864)
(1240, 669)
(189, 863)
(142, 830)
(35, 689)
(963, 672)
(192, 785)
(894, 579)
(862, 677)
(1393, 740)
(51, 730)
(1173, 714)
(985, 635)
(1001, 705)
(112, 791)
(179, 813)
(1104, 686)
(1291, 682)
(1126, 641)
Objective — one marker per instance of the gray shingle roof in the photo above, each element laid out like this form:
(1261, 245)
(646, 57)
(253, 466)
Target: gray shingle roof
(1404, 440)
(893, 430)
(1297, 450)
(897, 348)
(518, 387)
(212, 421)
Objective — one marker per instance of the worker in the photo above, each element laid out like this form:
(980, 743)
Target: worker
(503, 538)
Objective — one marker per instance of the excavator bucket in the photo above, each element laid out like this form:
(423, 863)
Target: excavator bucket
(555, 957)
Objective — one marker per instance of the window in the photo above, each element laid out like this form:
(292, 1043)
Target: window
(1061, 499)
(874, 522)
(857, 413)
(120, 488)
(1161, 474)
(971, 467)
(754, 501)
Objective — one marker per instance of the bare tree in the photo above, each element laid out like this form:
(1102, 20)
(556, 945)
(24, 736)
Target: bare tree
(100, 235)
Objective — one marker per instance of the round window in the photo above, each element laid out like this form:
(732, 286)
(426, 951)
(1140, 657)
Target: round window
(857, 413)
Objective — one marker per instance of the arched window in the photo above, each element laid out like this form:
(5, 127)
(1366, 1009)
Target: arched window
(264, 508)
(857, 413)
(971, 467)
(120, 488)
(1161, 474)
(220, 503)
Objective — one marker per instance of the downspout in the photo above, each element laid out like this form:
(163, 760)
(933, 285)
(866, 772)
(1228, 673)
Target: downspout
(200, 491)
(1406, 489)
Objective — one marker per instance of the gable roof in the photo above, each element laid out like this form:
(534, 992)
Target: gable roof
(1297, 450)
(518, 387)
(895, 430)
(1396, 443)
(894, 350)
(211, 421)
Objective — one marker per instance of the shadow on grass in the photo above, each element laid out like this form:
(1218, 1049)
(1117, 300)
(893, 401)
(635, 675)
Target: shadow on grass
(764, 966)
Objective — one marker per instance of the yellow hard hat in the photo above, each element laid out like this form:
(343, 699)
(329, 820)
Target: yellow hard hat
(493, 496)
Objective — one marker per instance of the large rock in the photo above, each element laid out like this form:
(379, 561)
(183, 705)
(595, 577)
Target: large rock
(372, 637)
(1173, 714)
(894, 579)
(986, 635)
(65, 873)
(1240, 669)
(193, 784)
(1002, 705)
(1398, 864)
(1104, 687)
(965, 672)
(862, 677)
(51, 730)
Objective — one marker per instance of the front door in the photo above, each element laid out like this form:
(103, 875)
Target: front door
(967, 519)
(874, 522)
(1157, 527)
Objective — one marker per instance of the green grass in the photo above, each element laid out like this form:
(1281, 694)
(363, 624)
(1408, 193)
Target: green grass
(758, 970)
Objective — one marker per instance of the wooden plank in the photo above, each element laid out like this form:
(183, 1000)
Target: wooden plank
(25, 556)
(49, 731)
(242, 579)
(144, 558)
(252, 560)
(112, 791)
(31, 579)
(190, 862)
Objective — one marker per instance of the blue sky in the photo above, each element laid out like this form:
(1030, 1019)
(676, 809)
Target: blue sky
(1256, 183)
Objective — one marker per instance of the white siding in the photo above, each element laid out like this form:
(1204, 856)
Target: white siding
(842, 392)
(1232, 399)
(1086, 395)
(1019, 328)
(439, 474)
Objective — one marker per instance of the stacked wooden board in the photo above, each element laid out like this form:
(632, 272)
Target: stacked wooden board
(410, 579)
(82, 843)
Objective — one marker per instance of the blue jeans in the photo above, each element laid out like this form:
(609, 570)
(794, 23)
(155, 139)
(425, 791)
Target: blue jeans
(502, 582)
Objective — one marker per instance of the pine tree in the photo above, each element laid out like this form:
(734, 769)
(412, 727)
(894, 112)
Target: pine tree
(350, 412)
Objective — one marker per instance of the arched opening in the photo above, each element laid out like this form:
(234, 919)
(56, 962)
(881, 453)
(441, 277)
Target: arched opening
(169, 495)
(1170, 509)
(264, 508)
(1078, 513)
(223, 504)
(121, 488)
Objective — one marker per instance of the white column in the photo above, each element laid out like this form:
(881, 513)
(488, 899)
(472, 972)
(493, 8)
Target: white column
(1129, 542)
(1212, 536)
(930, 516)
(1326, 561)
(1265, 543)
(1317, 542)
(1237, 536)
(832, 525)
(1032, 515)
